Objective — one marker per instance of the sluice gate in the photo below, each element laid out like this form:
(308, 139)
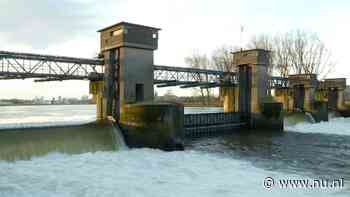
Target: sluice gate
(204, 124)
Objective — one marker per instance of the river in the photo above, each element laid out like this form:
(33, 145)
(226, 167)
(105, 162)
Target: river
(231, 165)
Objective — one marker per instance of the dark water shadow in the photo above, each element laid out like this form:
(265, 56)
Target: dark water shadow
(315, 155)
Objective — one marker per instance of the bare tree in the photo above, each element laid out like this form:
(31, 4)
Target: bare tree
(222, 59)
(296, 52)
(282, 54)
(310, 55)
(200, 61)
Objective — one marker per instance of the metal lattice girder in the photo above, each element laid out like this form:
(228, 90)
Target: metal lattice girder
(183, 75)
(163, 81)
(58, 68)
(214, 85)
(58, 79)
(198, 84)
(24, 65)
(63, 59)
(205, 85)
(176, 83)
(278, 82)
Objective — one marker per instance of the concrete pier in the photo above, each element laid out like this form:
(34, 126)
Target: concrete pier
(251, 98)
(96, 89)
(305, 93)
(128, 52)
(154, 125)
(230, 98)
(284, 96)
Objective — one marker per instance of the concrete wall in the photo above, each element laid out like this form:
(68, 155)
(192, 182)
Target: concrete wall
(96, 89)
(136, 67)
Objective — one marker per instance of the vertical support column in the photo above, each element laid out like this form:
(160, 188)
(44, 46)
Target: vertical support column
(117, 87)
(100, 107)
(340, 99)
(136, 75)
(309, 98)
(259, 89)
(298, 97)
(229, 97)
(96, 89)
(332, 98)
(111, 83)
(245, 90)
(109, 80)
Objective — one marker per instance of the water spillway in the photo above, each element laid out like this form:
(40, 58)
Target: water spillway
(35, 131)
(298, 117)
(86, 163)
(223, 166)
(33, 142)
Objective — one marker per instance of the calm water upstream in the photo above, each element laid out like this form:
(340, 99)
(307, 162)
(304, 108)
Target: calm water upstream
(232, 165)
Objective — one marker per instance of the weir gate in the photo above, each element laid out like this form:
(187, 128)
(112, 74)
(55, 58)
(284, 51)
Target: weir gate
(123, 77)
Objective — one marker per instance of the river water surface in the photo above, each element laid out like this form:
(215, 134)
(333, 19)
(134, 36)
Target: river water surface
(231, 165)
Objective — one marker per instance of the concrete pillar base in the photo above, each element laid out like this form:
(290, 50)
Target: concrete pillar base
(96, 89)
(320, 111)
(270, 119)
(153, 125)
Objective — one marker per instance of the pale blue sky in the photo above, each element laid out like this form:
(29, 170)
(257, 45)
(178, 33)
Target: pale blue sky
(68, 27)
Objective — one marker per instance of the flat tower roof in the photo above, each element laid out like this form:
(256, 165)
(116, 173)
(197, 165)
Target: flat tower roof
(128, 24)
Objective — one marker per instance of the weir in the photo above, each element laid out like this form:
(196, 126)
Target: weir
(122, 83)
(35, 142)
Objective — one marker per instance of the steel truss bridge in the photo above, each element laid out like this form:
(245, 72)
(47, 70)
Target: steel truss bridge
(43, 68)
(47, 67)
(166, 76)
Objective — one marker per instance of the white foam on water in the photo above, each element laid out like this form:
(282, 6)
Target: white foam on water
(339, 126)
(139, 172)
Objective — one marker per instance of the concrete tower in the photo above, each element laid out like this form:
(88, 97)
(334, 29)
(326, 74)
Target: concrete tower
(128, 52)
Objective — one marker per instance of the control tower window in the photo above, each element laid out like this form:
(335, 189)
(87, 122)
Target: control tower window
(117, 32)
(154, 36)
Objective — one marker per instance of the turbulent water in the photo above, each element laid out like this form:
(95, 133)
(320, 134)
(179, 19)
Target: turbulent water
(232, 165)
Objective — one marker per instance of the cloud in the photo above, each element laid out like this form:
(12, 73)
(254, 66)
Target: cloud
(40, 23)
